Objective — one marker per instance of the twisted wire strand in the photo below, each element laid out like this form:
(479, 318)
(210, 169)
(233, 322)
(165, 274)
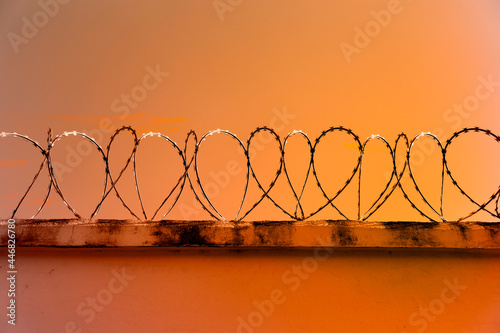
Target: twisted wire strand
(298, 206)
(412, 176)
(191, 174)
(381, 195)
(180, 181)
(37, 174)
(51, 144)
(129, 159)
(380, 201)
(191, 186)
(492, 197)
(265, 192)
(247, 176)
(400, 185)
(349, 179)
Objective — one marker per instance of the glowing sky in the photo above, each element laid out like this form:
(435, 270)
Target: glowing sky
(378, 67)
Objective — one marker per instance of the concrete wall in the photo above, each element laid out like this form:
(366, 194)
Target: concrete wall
(193, 290)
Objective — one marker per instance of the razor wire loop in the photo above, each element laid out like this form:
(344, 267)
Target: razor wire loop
(492, 197)
(198, 180)
(37, 174)
(180, 182)
(190, 165)
(113, 183)
(388, 146)
(348, 181)
(265, 193)
(54, 181)
(412, 176)
(394, 174)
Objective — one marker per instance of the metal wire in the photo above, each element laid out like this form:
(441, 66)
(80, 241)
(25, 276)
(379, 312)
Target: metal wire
(191, 174)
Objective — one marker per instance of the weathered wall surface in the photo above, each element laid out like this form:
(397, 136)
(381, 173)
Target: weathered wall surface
(192, 290)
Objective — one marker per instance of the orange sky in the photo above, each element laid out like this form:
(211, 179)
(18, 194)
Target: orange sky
(377, 67)
(174, 66)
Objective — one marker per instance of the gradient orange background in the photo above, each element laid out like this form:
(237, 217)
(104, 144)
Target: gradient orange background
(262, 59)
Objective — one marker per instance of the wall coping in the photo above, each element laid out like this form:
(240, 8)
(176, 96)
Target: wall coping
(256, 234)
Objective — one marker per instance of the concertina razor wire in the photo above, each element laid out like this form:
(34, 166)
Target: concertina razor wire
(190, 166)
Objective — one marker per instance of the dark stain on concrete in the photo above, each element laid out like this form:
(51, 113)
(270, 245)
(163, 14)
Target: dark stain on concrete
(461, 228)
(162, 238)
(183, 234)
(191, 235)
(413, 225)
(94, 245)
(111, 226)
(273, 223)
(342, 234)
(493, 228)
(279, 233)
(411, 233)
(4, 240)
(238, 239)
(29, 238)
